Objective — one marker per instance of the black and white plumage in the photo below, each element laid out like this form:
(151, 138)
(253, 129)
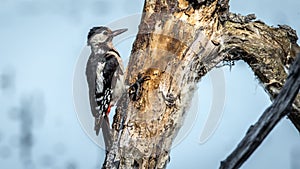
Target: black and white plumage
(104, 73)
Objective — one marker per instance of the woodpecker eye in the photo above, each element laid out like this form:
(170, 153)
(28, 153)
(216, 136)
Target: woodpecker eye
(105, 33)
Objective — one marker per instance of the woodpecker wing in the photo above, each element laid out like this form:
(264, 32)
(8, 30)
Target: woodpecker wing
(100, 72)
(117, 83)
(104, 96)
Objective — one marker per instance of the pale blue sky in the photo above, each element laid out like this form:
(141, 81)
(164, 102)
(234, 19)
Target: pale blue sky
(40, 42)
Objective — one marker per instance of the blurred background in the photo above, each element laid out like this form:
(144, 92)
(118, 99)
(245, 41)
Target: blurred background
(40, 42)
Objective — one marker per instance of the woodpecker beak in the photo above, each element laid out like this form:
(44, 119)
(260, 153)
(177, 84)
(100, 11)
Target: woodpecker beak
(119, 31)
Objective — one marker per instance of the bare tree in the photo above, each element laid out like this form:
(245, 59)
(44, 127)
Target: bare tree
(178, 43)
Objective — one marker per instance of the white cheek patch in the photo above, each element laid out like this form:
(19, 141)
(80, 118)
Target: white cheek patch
(100, 38)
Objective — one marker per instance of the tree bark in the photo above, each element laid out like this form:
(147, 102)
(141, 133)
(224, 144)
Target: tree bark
(177, 44)
(272, 115)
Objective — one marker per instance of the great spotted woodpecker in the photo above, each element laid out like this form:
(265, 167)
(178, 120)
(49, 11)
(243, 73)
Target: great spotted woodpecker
(104, 73)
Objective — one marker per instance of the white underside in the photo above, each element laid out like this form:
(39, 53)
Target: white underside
(99, 78)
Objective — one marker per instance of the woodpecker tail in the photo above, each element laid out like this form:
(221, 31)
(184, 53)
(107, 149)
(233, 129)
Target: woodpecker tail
(106, 131)
(103, 122)
(98, 123)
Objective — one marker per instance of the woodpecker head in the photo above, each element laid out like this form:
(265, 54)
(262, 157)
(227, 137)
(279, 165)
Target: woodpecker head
(102, 36)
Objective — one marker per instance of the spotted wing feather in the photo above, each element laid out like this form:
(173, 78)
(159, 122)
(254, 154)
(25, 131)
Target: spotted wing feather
(103, 93)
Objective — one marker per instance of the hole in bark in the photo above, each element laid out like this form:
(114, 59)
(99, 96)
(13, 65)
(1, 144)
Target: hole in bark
(136, 164)
(196, 3)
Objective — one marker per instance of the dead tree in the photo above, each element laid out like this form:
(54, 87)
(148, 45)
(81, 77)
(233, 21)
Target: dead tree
(178, 42)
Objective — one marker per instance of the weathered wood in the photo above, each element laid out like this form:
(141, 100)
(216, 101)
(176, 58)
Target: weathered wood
(178, 43)
(272, 115)
(172, 51)
(269, 52)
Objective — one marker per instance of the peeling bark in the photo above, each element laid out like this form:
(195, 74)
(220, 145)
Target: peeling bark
(177, 44)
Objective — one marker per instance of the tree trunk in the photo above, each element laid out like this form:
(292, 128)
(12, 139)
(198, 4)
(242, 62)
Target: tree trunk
(177, 44)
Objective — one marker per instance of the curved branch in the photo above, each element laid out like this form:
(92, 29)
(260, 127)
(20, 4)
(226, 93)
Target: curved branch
(268, 51)
(272, 115)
